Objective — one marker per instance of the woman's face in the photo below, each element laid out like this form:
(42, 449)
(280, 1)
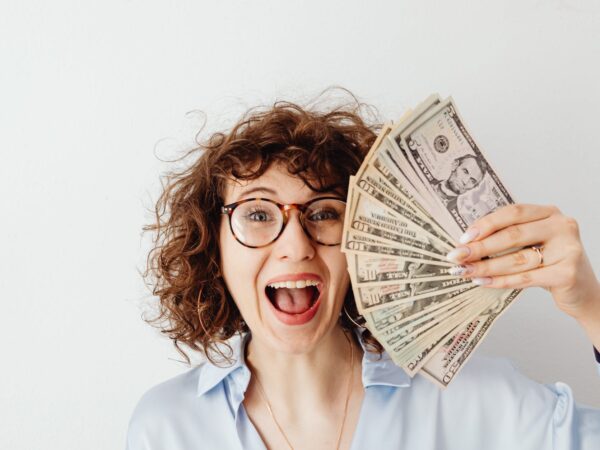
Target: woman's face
(292, 320)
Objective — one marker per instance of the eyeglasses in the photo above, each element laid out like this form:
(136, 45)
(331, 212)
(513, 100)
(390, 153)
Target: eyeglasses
(257, 222)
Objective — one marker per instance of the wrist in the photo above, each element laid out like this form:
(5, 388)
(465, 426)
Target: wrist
(589, 317)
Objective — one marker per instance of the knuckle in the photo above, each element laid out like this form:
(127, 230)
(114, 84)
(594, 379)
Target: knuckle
(502, 282)
(517, 210)
(554, 210)
(573, 251)
(571, 225)
(482, 268)
(525, 279)
(483, 224)
(515, 233)
(569, 276)
(577, 251)
(520, 258)
(499, 282)
(477, 249)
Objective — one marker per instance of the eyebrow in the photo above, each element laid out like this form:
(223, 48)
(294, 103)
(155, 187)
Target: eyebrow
(271, 191)
(257, 189)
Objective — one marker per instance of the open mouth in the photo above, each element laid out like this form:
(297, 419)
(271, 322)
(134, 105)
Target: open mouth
(293, 300)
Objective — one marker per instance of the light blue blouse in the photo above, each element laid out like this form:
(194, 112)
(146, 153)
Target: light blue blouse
(488, 406)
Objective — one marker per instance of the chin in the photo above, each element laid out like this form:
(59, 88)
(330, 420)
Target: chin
(455, 188)
(296, 339)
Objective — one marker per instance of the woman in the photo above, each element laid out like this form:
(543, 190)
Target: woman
(299, 374)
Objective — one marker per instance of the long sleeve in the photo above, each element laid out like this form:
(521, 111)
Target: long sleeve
(576, 427)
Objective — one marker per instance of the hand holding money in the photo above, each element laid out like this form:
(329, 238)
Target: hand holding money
(560, 266)
(426, 198)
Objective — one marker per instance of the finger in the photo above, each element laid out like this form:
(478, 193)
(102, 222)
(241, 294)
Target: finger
(520, 261)
(512, 237)
(546, 277)
(504, 217)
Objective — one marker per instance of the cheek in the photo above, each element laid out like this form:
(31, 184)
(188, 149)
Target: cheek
(240, 266)
(337, 265)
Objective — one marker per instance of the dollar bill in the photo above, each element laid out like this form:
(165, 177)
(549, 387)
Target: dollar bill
(397, 205)
(372, 180)
(397, 154)
(393, 168)
(368, 217)
(405, 352)
(419, 334)
(374, 270)
(379, 171)
(452, 167)
(428, 229)
(401, 314)
(401, 335)
(356, 242)
(379, 149)
(413, 364)
(451, 356)
(371, 298)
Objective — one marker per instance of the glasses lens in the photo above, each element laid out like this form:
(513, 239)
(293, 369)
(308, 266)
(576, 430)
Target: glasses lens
(256, 223)
(324, 221)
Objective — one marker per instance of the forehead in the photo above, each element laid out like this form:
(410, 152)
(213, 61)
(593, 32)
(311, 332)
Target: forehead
(276, 183)
(470, 164)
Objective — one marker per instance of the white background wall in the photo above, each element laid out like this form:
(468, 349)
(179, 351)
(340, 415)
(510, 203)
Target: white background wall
(91, 92)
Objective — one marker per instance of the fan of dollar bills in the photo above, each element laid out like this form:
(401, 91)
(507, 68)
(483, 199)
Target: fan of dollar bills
(420, 186)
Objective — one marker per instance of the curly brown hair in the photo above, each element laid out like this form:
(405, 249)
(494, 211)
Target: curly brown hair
(323, 148)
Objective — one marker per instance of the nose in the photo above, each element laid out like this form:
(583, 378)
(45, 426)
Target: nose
(294, 244)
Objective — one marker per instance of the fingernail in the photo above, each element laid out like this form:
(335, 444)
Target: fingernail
(482, 281)
(461, 270)
(458, 254)
(469, 235)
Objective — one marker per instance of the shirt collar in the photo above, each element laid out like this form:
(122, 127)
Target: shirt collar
(380, 370)
(376, 370)
(209, 375)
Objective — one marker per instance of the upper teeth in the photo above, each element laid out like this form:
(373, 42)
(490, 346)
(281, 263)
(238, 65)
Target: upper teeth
(293, 284)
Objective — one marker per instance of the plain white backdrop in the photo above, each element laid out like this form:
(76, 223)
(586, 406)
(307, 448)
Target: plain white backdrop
(92, 93)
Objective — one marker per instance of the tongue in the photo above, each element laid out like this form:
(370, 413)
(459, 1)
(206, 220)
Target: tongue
(293, 301)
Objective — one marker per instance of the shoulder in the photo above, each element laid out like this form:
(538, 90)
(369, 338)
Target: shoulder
(517, 411)
(492, 377)
(167, 397)
(489, 370)
(163, 410)
(492, 390)
(195, 406)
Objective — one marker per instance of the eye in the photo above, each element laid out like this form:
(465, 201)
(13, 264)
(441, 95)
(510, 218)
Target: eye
(324, 214)
(258, 215)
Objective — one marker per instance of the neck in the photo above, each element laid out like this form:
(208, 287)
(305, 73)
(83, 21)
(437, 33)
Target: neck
(317, 377)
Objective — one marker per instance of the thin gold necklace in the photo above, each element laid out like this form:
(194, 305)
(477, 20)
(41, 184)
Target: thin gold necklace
(350, 380)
